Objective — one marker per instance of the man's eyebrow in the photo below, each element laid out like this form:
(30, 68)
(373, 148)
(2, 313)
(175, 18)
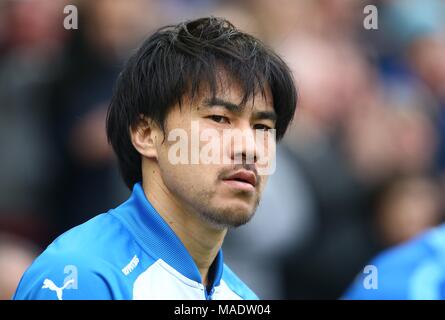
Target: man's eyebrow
(233, 107)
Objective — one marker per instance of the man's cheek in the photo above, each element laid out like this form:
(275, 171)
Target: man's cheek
(263, 182)
(266, 151)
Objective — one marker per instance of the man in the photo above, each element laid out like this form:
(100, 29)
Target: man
(413, 270)
(198, 79)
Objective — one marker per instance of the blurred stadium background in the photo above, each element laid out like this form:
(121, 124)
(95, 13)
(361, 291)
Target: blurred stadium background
(362, 168)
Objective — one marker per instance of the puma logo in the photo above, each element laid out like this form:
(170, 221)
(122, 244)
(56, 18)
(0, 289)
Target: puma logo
(49, 284)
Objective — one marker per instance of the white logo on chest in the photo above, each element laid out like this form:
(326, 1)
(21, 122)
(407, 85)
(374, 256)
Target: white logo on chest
(131, 266)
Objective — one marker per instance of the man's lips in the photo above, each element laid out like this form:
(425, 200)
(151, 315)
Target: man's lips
(243, 179)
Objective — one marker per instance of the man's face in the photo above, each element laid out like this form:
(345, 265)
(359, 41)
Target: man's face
(219, 175)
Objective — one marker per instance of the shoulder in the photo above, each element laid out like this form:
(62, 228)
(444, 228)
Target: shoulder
(236, 285)
(413, 270)
(79, 264)
(65, 275)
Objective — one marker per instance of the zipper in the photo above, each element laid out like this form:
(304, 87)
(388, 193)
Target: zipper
(209, 296)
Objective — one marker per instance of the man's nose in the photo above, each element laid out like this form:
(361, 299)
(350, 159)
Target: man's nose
(244, 146)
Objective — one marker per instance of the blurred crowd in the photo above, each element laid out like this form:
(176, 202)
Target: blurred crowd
(361, 169)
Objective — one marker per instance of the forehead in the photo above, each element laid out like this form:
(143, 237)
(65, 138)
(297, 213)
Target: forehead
(229, 89)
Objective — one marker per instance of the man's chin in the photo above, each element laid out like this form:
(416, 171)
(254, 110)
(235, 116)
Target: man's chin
(230, 216)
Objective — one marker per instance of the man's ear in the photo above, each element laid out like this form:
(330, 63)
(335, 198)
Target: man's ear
(145, 137)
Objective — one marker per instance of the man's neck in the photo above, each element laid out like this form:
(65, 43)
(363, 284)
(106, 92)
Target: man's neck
(200, 239)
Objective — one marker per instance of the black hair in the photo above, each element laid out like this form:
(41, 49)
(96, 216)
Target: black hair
(176, 60)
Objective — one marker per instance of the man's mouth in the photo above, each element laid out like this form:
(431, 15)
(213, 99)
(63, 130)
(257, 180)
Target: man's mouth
(243, 179)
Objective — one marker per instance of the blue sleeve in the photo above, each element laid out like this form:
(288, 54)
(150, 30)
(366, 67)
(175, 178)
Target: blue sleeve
(396, 274)
(390, 279)
(401, 282)
(359, 291)
(414, 270)
(66, 277)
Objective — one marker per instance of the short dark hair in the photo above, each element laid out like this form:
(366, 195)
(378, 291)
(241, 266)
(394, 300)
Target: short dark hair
(177, 60)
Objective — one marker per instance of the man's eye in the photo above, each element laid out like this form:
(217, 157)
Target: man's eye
(260, 126)
(219, 119)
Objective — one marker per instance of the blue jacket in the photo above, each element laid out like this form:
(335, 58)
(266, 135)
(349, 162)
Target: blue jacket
(412, 271)
(127, 253)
